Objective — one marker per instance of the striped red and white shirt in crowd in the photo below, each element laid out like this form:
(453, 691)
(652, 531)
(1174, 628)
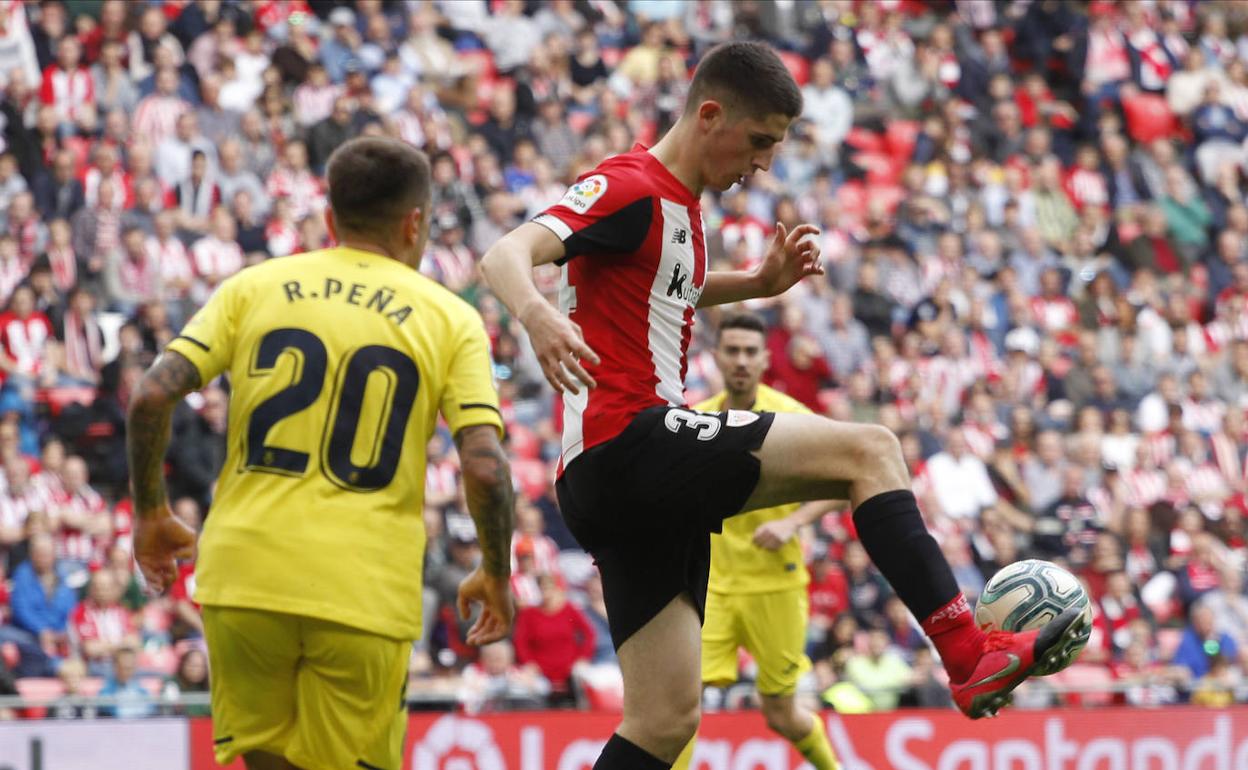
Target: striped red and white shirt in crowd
(215, 259)
(312, 104)
(77, 544)
(67, 91)
(123, 189)
(11, 274)
(139, 277)
(64, 265)
(1205, 483)
(982, 438)
(1229, 457)
(636, 309)
(302, 188)
(281, 238)
(1108, 60)
(1203, 416)
(1054, 314)
(1162, 447)
(1155, 64)
(107, 231)
(15, 506)
(176, 269)
(27, 233)
(543, 550)
(1087, 188)
(123, 523)
(1226, 329)
(1144, 486)
(84, 345)
(748, 229)
(92, 622)
(25, 340)
(156, 117)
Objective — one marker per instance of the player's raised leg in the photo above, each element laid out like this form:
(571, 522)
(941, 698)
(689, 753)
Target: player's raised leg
(662, 690)
(812, 458)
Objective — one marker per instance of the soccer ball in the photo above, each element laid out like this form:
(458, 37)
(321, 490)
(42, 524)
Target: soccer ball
(1027, 595)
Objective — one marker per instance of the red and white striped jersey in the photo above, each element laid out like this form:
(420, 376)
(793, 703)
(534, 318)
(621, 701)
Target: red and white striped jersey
(634, 269)
(67, 91)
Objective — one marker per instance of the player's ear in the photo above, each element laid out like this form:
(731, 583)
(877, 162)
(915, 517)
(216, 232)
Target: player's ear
(414, 226)
(710, 113)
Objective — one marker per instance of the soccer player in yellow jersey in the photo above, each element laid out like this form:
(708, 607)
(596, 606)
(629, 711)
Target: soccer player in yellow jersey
(309, 566)
(756, 597)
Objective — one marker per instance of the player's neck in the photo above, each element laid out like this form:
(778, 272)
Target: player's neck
(672, 151)
(372, 246)
(742, 400)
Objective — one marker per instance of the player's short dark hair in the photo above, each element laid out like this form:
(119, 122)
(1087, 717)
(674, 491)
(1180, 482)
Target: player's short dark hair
(746, 77)
(747, 321)
(374, 181)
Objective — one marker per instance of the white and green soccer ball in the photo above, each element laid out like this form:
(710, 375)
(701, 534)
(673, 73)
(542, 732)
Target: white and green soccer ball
(1026, 595)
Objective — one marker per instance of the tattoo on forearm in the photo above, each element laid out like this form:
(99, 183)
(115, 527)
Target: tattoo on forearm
(147, 426)
(491, 499)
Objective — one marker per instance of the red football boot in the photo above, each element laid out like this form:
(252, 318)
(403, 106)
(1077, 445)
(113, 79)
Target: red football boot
(1009, 658)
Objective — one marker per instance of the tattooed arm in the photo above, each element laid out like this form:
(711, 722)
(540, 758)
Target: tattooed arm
(159, 537)
(491, 500)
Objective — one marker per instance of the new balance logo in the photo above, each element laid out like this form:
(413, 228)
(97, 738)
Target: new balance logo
(680, 235)
(677, 286)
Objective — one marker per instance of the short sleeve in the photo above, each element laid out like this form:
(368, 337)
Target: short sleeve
(606, 212)
(207, 340)
(469, 397)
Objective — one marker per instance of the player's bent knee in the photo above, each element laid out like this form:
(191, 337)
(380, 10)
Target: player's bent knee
(664, 731)
(782, 717)
(879, 451)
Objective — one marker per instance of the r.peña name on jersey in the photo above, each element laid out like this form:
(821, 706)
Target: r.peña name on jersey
(380, 299)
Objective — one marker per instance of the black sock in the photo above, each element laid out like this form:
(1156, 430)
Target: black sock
(891, 529)
(623, 754)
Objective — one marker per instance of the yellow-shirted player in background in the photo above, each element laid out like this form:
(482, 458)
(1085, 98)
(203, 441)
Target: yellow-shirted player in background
(756, 597)
(309, 566)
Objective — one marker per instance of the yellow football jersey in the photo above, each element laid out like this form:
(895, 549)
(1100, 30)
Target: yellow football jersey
(737, 565)
(339, 361)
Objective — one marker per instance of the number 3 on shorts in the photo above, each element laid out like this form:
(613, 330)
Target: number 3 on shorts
(706, 425)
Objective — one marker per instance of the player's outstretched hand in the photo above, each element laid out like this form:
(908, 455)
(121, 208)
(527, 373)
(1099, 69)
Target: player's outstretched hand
(497, 609)
(560, 347)
(160, 539)
(790, 258)
(771, 535)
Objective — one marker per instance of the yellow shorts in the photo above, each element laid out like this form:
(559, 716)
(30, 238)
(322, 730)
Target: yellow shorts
(323, 695)
(770, 626)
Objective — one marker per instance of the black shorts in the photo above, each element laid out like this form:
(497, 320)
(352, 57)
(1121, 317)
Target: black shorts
(644, 504)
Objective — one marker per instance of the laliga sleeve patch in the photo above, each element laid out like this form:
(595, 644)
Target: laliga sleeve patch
(738, 418)
(585, 193)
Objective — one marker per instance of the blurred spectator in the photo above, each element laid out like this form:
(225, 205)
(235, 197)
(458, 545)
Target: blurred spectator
(190, 677)
(879, 671)
(496, 683)
(134, 700)
(1202, 643)
(41, 600)
(554, 636)
(100, 627)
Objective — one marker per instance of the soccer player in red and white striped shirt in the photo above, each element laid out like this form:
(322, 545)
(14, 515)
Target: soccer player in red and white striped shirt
(643, 480)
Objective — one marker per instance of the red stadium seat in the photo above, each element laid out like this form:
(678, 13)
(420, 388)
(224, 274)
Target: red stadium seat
(479, 61)
(1149, 117)
(531, 475)
(40, 689)
(1093, 681)
(798, 66)
(867, 141)
(881, 167)
(900, 137)
(523, 442)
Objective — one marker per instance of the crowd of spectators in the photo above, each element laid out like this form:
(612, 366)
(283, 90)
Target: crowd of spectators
(1034, 221)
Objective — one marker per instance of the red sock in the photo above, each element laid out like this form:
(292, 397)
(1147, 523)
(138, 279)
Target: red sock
(958, 640)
